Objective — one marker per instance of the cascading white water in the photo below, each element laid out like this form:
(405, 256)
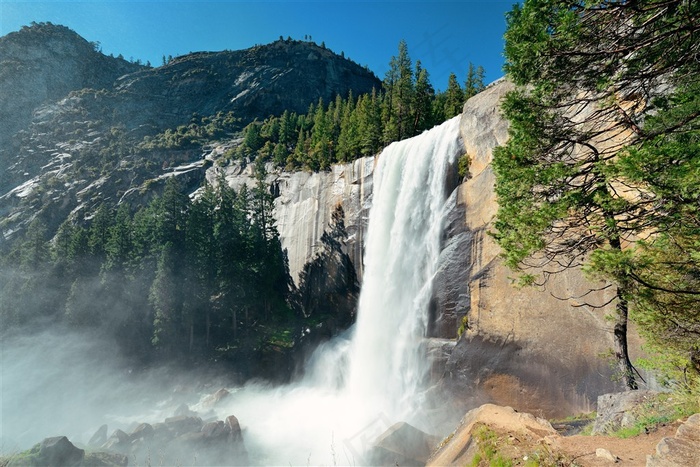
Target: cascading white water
(355, 388)
(387, 365)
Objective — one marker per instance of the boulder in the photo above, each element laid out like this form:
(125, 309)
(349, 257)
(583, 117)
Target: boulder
(617, 410)
(217, 443)
(604, 454)
(183, 424)
(402, 444)
(59, 451)
(217, 431)
(100, 437)
(681, 450)
(234, 427)
(142, 432)
(119, 441)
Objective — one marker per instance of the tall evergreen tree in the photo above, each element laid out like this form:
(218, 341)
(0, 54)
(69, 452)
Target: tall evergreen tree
(424, 95)
(454, 97)
(475, 81)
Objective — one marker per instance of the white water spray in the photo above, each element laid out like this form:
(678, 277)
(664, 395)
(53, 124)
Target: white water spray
(356, 388)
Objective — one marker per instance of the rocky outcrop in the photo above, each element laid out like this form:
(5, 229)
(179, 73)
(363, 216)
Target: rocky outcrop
(183, 440)
(78, 118)
(43, 63)
(60, 451)
(617, 410)
(681, 450)
(57, 450)
(305, 204)
(460, 447)
(535, 349)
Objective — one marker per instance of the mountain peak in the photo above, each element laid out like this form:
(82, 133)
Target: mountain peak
(43, 63)
(74, 118)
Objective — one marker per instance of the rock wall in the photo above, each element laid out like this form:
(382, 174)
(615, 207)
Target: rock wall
(306, 202)
(528, 348)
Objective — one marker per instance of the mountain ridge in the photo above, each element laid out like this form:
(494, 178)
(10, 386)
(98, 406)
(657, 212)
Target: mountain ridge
(78, 117)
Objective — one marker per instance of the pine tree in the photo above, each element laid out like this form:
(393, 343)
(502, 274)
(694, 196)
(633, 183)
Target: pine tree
(475, 81)
(454, 97)
(370, 124)
(201, 270)
(164, 300)
(424, 94)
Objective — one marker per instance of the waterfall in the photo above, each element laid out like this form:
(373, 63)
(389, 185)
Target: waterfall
(387, 364)
(358, 385)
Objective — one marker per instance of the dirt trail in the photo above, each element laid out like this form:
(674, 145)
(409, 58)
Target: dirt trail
(630, 452)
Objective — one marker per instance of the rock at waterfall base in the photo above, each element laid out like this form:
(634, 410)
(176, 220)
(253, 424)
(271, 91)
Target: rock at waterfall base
(51, 451)
(402, 444)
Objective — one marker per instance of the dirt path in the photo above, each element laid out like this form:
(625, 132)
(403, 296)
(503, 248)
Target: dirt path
(630, 452)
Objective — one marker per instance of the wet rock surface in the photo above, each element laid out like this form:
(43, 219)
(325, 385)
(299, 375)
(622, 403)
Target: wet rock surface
(402, 444)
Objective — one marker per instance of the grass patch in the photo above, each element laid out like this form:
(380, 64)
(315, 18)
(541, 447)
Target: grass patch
(494, 449)
(657, 412)
(488, 449)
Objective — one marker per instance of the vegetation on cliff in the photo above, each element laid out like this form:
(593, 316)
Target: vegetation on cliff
(352, 127)
(602, 162)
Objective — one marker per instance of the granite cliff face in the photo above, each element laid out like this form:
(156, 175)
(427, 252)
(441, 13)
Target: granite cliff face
(72, 147)
(528, 348)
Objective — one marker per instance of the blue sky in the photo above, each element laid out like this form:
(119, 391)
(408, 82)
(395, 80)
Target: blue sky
(445, 36)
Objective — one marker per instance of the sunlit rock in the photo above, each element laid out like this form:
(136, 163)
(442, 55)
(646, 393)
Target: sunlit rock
(617, 410)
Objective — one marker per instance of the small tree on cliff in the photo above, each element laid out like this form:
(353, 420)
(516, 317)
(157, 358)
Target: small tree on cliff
(588, 73)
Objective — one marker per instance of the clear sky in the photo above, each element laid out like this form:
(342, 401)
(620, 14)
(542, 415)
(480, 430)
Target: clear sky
(445, 36)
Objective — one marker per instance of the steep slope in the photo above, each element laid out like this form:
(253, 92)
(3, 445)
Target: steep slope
(80, 136)
(253, 83)
(44, 62)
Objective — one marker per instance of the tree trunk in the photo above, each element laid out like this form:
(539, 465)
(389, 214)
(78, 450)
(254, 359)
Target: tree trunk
(620, 337)
(620, 330)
